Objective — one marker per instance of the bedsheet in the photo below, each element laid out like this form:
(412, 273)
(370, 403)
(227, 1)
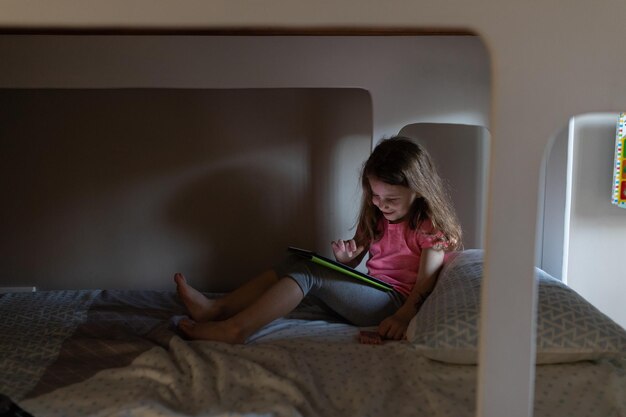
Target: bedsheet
(113, 353)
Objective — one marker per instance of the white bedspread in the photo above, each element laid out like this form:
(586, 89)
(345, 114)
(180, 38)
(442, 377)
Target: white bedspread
(313, 368)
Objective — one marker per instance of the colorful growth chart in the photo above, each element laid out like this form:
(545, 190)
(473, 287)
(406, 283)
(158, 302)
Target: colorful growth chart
(619, 168)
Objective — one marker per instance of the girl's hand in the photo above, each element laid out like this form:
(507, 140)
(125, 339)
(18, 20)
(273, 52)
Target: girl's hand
(394, 327)
(346, 251)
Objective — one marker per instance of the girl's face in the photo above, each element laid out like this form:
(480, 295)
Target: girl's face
(394, 201)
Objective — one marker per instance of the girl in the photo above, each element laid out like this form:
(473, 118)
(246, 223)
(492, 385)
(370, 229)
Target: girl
(406, 223)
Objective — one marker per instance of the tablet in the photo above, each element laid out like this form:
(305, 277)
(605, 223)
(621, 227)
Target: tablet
(344, 269)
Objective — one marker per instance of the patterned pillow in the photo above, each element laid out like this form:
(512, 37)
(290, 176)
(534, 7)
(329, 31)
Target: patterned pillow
(569, 328)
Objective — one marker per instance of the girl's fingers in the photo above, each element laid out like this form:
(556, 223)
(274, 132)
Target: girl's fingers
(382, 329)
(347, 249)
(392, 334)
(339, 249)
(390, 331)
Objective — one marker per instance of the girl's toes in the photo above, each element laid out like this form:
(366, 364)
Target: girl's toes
(186, 325)
(179, 278)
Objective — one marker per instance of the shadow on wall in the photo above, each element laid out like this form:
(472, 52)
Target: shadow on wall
(240, 219)
(121, 188)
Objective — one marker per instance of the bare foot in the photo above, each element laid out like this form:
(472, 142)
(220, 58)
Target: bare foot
(200, 308)
(219, 331)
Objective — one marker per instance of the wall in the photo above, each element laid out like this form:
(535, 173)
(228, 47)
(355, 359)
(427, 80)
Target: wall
(597, 228)
(443, 79)
(552, 233)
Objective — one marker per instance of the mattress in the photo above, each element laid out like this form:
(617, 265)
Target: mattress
(114, 353)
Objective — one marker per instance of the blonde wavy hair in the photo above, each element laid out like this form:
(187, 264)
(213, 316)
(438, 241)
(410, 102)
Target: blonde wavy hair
(400, 161)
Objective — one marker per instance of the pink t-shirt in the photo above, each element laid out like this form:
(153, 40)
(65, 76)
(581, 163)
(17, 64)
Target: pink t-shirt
(395, 258)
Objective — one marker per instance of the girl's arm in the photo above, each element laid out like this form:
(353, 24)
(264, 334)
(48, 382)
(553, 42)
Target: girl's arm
(431, 261)
(394, 327)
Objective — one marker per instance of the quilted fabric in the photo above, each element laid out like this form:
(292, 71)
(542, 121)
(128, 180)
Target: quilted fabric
(32, 328)
(569, 328)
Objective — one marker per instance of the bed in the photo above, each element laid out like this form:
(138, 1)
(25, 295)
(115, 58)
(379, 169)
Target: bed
(110, 353)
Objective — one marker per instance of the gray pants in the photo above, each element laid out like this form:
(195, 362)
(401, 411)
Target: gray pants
(358, 303)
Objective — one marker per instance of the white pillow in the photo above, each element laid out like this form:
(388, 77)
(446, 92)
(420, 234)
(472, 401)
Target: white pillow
(569, 328)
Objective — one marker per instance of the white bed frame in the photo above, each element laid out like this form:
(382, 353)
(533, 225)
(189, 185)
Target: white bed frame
(550, 61)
